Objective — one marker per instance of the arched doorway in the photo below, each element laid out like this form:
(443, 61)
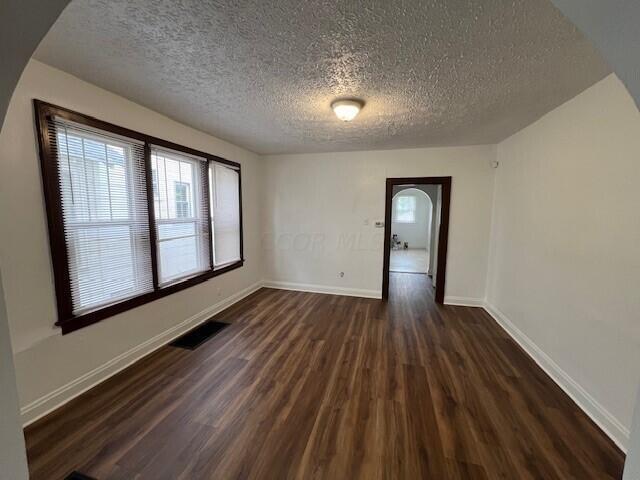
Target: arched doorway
(411, 224)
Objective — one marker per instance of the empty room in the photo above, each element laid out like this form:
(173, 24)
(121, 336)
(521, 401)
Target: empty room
(319, 239)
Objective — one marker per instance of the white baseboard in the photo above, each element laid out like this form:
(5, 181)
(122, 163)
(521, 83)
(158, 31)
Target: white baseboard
(463, 301)
(58, 397)
(331, 290)
(600, 415)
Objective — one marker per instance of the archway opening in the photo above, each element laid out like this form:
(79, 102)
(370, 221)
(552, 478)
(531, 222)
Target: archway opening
(411, 229)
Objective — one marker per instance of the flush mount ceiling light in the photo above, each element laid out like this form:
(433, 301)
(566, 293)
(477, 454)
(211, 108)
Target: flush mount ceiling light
(347, 110)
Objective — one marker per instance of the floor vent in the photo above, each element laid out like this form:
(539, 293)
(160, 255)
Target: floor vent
(196, 337)
(78, 476)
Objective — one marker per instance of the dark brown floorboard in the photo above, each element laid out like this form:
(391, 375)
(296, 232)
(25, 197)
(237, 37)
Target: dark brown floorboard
(313, 386)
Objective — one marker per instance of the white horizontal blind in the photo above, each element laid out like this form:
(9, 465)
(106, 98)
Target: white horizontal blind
(225, 213)
(181, 215)
(104, 205)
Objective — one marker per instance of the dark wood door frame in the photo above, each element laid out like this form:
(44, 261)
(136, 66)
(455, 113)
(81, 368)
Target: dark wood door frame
(445, 183)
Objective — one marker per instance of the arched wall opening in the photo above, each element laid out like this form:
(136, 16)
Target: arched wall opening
(412, 234)
(434, 193)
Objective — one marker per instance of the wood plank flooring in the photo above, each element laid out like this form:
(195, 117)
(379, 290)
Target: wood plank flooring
(312, 386)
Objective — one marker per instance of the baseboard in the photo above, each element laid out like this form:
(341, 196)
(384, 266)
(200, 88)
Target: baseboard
(331, 290)
(463, 301)
(55, 399)
(609, 424)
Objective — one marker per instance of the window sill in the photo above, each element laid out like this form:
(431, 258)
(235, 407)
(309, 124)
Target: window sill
(83, 320)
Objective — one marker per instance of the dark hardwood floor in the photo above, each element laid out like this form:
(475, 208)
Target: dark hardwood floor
(314, 386)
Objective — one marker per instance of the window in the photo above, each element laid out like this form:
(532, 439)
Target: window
(225, 218)
(132, 218)
(405, 209)
(105, 224)
(183, 199)
(181, 215)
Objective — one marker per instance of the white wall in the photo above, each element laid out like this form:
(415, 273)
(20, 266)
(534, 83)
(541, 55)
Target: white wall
(13, 458)
(320, 209)
(632, 464)
(417, 234)
(615, 32)
(46, 360)
(565, 250)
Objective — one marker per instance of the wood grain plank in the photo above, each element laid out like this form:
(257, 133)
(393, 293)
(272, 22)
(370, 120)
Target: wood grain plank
(312, 386)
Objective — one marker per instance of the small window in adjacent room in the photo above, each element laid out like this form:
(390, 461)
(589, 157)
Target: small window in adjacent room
(132, 218)
(183, 200)
(405, 211)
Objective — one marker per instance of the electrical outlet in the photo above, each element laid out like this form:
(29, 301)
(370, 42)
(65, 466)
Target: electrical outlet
(341, 274)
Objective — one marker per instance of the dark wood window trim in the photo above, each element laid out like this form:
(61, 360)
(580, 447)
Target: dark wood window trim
(443, 238)
(48, 159)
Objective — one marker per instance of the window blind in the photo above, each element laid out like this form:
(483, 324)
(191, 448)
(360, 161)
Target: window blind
(181, 212)
(225, 213)
(130, 216)
(104, 207)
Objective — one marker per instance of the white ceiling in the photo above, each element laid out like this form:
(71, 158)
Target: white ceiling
(262, 74)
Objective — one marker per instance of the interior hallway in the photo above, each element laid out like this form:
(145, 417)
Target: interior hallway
(309, 385)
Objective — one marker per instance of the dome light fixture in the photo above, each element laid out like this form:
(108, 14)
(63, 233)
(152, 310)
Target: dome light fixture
(347, 109)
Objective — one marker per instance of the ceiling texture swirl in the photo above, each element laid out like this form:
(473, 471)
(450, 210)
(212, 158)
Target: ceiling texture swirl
(262, 74)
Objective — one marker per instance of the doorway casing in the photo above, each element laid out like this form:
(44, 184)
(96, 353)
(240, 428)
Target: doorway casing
(445, 183)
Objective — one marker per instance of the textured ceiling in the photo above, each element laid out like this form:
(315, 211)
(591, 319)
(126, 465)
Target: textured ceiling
(262, 74)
